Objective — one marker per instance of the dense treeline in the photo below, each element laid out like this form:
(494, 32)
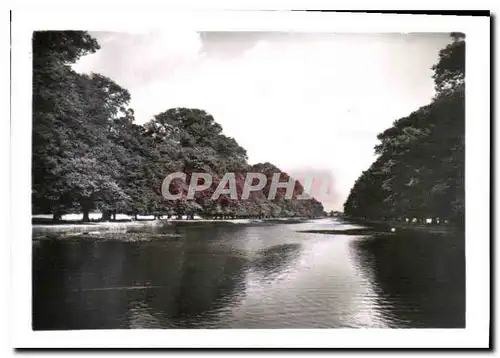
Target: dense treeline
(419, 172)
(88, 154)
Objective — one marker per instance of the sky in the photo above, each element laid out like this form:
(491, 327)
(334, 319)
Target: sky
(306, 102)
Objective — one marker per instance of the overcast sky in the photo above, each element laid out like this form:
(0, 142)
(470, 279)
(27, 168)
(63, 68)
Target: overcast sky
(304, 102)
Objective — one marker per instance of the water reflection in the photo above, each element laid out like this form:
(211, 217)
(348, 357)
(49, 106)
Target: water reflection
(91, 284)
(248, 277)
(419, 278)
(276, 259)
(176, 284)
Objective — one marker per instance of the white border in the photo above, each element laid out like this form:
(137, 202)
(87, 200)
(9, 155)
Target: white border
(477, 178)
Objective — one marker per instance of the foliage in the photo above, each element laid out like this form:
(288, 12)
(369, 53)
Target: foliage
(89, 154)
(420, 169)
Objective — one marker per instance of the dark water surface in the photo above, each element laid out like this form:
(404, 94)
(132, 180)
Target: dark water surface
(242, 276)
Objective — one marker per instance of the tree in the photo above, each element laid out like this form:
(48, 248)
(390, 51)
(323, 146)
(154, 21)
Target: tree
(449, 72)
(76, 161)
(89, 154)
(419, 171)
(57, 110)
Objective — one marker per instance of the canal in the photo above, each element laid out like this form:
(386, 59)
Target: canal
(249, 276)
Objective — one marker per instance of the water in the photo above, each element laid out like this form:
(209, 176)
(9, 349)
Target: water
(242, 276)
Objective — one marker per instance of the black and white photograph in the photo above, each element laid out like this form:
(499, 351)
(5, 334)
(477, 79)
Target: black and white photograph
(201, 180)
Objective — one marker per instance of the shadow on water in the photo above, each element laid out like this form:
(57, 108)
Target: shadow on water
(222, 277)
(84, 284)
(419, 277)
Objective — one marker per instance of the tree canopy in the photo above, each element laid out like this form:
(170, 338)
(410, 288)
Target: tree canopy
(419, 172)
(88, 153)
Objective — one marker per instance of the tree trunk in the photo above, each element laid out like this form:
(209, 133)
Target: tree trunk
(86, 205)
(86, 217)
(114, 215)
(135, 216)
(106, 215)
(57, 215)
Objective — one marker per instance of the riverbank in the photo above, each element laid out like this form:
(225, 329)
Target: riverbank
(70, 227)
(355, 232)
(42, 227)
(386, 226)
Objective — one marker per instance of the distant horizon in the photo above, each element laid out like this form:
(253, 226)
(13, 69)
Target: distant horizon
(287, 98)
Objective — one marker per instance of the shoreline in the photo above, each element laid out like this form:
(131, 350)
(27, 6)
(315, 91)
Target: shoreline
(406, 226)
(77, 226)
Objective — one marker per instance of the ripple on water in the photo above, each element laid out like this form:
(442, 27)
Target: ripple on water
(248, 277)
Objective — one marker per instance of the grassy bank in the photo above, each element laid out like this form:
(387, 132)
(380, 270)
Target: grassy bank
(47, 226)
(73, 227)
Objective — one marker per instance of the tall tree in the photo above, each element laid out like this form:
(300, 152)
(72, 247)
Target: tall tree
(76, 162)
(57, 109)
(420, 168)
(89, 154)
